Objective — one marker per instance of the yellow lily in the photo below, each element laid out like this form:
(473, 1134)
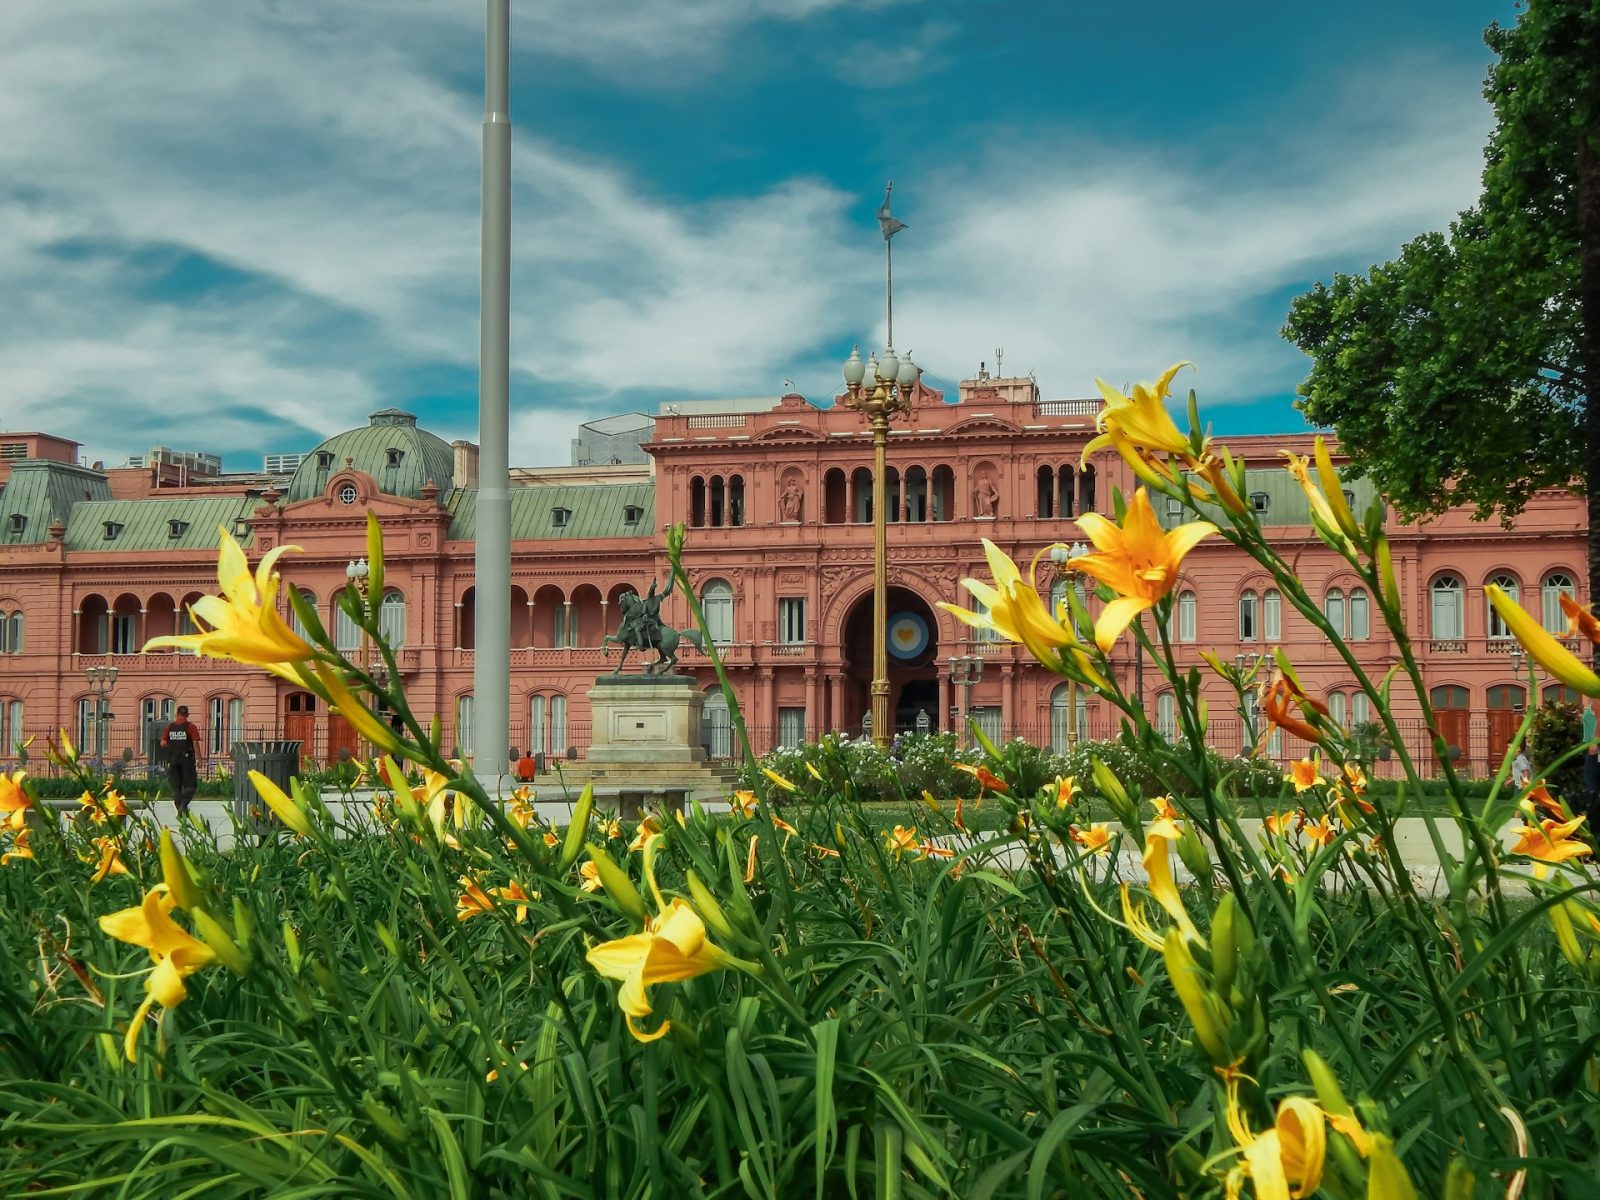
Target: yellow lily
(1158, 867)
(1138, 924)
(1096, 839)
(589, 873)
(1304, 775)
(1550, 654)
(1138, 560)
(648, 828)
(1580, 620)
(1066, 790)
(1286, 1161)
(243, 623)
(19, 847)
(1551, 841)
(1322, 511)
(1142, 418)
(779, 779)
(110, 859)
(176, 955)
(902, 839)
(743, 802)
(285, 809)
(473, 901)
(516, 895)
(14, 802)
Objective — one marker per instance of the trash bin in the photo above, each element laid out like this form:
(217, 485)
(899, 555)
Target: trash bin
(277, 761)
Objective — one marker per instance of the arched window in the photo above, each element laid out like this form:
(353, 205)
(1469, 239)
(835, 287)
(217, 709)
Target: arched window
(1556, 585)
(891, 494)
(1272, 615)
(916, 487)
(539, 725)
(1360, 615)
(736, 500)
(1167, 716)
(224, 724)
(1248, 631)
(464, 714)
(835, 499)
(1333, 609)
(1188, 616)
(943, 500)
(716, 725)
(1562, 694)
(1360, 709)
(697, 502)
(1446, 595)
(11, 633)
(1045, 499)
(558, 725)
(12, 733)
(861, 496)
(1336, 707)
(716, 599)
(1086, 489)
(346, 633)
(186, 623)
(1065, 482)
(1498, 629)
(392, 619)
(719, 500)
(1063, 735)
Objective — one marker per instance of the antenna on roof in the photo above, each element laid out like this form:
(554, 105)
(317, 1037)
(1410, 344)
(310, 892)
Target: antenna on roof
(999, 359)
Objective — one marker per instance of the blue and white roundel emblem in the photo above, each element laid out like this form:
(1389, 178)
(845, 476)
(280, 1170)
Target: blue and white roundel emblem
(908, 635)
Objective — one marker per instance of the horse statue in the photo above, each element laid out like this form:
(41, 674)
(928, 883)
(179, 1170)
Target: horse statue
(641, 628)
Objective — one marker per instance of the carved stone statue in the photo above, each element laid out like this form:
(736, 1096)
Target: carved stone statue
(985, 496)
(641, 628)
(789, 501)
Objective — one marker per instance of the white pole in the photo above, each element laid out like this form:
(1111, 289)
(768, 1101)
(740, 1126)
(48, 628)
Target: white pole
(492, 663)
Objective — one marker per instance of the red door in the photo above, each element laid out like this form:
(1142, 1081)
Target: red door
(300, 722)
(1506, 705)
(1454, 722)
(342, 743)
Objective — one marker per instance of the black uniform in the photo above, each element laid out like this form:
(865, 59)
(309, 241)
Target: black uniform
(179, 742)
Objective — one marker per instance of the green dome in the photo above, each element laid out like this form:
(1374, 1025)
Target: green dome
(390, 448)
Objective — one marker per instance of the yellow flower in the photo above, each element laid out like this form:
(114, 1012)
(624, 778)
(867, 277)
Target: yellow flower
(988, 781)
(743, 802)
(473, 901)
(1320, 831)
(14, 802)
(1158, 867)
(648, 828)
(1304, 775)
(1138, 560)
(788, 830)
(1284, 1161)
(1550, 654)
(610, 829)
(1329, 512)
(1356, 778)
(243, 622)
(19, 847)
(1164, 809)
(1276, 698)
(1141, 419)
(110, 859)
(1277, 823)
(933, 850)
(591, 877)
(1540, 795)
(285, 809)
(1014, 610)
(901, 839)
(551, 838)
(175, 953)
(1138, 925)
(779, 779)
(672, 947)
(1066, 790)
(1096, 839)
(1551, 841)
(825, 851)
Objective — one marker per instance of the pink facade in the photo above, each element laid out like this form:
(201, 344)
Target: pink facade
(778, 505)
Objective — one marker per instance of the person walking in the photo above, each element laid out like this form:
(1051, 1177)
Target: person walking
(179, 740)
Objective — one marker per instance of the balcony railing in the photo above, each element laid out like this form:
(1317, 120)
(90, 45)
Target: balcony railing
(1447, 646)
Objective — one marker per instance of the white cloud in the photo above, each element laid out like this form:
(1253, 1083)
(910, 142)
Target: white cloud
(321, 149)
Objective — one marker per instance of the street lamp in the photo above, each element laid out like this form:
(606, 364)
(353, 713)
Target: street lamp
(880, 390)
(101, 680)
(965, 670)
(1062, 558)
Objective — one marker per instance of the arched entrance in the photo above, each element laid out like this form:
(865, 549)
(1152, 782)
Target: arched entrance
(913, 644)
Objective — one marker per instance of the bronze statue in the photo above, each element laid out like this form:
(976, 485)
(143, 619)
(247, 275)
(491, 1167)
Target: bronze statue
(641, 628)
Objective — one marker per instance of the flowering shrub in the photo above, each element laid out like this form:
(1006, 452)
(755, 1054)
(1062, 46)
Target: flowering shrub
(445, 995)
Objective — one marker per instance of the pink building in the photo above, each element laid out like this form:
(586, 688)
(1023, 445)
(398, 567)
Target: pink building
(780, 551)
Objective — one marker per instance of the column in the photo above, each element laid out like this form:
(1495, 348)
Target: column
(1008, 706)
(946, 700)
(813, 717)
(835, 697)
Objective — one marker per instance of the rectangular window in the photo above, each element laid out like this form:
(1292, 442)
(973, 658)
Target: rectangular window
(988, 720)
(216, 722)
(537, 734)
(1187, 605)
(1272, 615)
(791, 727)
(87, 744)
(792, 619)
(463, 744)
(346, 633)
(11, 734)
(124, 633)
(983, 633)
(564, 627)
(558, 725)
(1360, 618)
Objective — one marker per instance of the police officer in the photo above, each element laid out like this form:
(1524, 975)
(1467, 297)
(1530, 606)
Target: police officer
(179, 740)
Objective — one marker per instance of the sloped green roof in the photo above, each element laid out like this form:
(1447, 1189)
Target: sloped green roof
(597, 510)
(1286, 503)
(41, 492)
(146, 524)
(423, 457)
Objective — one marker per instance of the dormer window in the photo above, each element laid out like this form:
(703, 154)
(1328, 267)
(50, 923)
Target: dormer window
(241, 526)
(19, 522)
(176, 529)
(325, 460)
(1260, 501)
(560, 516)
(631, 514)
(113, 530)
(395, 455)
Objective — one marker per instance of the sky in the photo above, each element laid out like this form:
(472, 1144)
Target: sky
(241, 227)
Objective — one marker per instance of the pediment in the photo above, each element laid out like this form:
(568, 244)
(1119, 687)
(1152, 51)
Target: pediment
(990, 425)
(788, 433)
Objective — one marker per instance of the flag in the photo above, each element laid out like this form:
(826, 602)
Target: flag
(886, 220)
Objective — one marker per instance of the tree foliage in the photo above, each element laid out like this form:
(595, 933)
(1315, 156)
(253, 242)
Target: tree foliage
(1456, 373)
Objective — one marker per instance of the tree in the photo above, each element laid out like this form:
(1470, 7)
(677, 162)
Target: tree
(1459, 373)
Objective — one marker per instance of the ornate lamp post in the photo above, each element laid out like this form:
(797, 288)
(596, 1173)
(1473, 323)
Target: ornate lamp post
(101, 680)
(965, 670)
(883, 397)
(1062, 557)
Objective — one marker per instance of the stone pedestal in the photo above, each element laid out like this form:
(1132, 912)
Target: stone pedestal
(645, 720)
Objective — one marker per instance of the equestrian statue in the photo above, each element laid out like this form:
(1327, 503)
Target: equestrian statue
(641, 628)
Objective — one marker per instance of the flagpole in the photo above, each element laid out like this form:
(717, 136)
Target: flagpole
(888, 254)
